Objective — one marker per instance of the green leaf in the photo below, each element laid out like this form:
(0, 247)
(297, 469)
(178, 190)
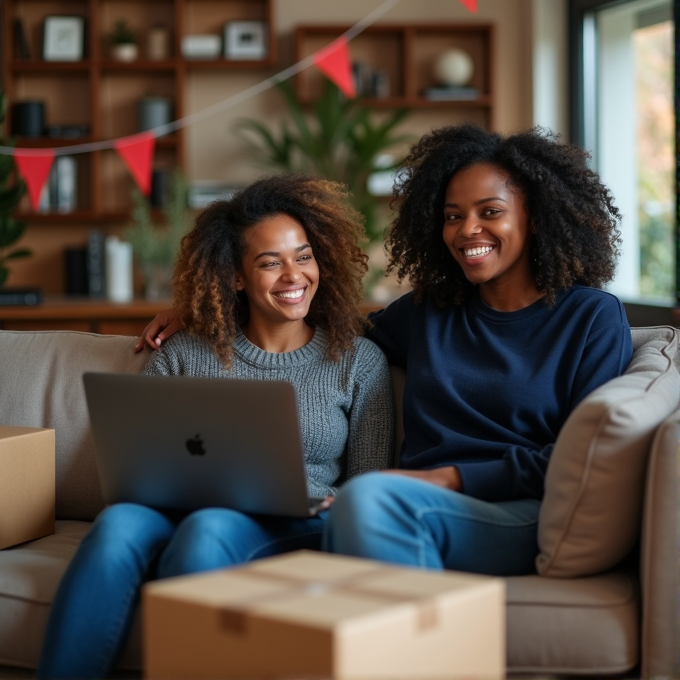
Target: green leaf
(17, 254)
(10, 231)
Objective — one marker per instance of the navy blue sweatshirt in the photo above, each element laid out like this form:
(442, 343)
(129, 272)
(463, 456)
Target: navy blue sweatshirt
(488, 391)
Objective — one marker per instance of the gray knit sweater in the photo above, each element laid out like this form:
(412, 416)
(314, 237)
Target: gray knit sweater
(346, 407)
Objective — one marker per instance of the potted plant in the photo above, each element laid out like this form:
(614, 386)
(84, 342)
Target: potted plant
(11, 192)
(155, 246)
(123, 41)
(341, 140)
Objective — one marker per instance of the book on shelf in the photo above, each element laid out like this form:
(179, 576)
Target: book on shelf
(96, 268)
(369, 81)
(59, 193)
(451, 93)
(21, 49)
(20, 296)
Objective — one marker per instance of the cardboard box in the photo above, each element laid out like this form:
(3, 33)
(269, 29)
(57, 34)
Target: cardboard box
(309, 614)
(26, 484)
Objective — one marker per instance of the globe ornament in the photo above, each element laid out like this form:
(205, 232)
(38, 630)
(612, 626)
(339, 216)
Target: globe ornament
(454, 67)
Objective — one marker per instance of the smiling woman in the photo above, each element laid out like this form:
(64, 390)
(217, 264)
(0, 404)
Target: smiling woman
(505, 241)
(268, 285)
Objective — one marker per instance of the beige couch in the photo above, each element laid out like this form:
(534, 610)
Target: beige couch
(605, 602)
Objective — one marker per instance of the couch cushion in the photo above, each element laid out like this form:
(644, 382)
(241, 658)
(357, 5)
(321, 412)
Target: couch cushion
(587, 626)
(590, 516)
(41, 386)
(29, 576)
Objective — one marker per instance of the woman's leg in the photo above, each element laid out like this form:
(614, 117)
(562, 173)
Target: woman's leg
(404, 520)
(95, 603)
(217, 537)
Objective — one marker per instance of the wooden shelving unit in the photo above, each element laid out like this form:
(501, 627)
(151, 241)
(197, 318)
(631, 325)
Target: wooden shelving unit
(103, 93)
(405, 54)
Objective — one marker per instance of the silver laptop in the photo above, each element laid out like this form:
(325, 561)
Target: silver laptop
(187, 443)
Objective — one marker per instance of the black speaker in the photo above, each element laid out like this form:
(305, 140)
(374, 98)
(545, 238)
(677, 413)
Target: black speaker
(75, 266)
(28, 119)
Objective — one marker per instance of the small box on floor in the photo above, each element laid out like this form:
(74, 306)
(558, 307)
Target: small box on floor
(26, 484)
(308, 614)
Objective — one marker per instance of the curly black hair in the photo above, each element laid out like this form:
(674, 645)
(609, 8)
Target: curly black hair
(572, 218)
(204, 288)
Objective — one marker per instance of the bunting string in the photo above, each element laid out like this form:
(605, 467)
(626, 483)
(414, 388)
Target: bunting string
(136, 150)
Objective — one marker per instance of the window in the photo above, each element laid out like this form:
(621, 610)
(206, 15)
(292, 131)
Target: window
(623, 113)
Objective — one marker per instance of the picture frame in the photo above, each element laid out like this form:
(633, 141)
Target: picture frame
(245, 40)
(63, 38)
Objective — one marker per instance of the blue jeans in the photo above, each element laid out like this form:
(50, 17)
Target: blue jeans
(129, 544)
(408, 521)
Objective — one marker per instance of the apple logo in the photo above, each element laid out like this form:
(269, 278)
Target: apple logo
(195, 446)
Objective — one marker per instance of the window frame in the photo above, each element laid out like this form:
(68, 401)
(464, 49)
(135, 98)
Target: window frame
(639, 313)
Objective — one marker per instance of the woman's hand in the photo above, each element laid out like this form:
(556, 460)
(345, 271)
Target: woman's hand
(447, 477)
(161, 327)
(326, 503)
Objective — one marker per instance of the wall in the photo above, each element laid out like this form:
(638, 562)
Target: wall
(550, 67)
(214, 152)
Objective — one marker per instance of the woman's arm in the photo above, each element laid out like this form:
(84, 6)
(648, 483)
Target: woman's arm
(370, 443)
(160, 328)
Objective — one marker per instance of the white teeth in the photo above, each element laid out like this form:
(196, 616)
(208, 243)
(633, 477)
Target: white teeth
(478, 252)
(293, 294)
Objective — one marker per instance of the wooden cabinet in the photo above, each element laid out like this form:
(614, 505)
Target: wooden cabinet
(102, 94)
(72, 314)
(400, 58)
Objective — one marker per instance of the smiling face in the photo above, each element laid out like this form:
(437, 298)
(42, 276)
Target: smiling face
(486, 229)
(278, 271)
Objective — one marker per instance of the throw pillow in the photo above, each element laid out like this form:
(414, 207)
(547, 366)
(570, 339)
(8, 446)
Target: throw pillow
(591, 511)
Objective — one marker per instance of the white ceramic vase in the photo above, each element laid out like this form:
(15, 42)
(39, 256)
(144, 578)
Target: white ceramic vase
(125, 52)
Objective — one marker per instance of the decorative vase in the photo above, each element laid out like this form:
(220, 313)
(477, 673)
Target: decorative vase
(157, 281)
(158, 43)
(125, 52)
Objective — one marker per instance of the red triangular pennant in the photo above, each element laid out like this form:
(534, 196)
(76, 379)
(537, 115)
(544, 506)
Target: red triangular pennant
(334, 62)
(35, 169)
(470, 4)
(137, 152)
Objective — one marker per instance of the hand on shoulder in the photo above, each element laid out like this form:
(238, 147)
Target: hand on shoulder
(160, 328)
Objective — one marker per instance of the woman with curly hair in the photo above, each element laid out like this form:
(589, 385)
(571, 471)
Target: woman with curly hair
(506, 241)
(267, 286)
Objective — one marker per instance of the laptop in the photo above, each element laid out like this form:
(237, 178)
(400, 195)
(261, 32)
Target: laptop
(186, 443)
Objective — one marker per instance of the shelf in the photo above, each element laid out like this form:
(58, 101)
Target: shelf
(83, 314)
(50, 142)
(227, 64)
(104, 94)
(424, 103)
(400, 58)
(138, 65)
(40, 66)
(77, 217)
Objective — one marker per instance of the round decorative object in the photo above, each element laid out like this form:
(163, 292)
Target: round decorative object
(125, 52)
(454, 67)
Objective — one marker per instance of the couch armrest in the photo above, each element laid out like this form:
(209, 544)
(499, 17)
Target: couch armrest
(659, 555)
